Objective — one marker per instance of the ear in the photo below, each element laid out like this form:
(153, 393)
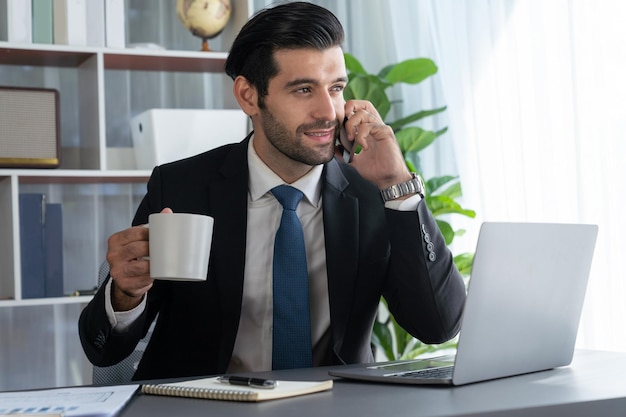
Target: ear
(246, 95)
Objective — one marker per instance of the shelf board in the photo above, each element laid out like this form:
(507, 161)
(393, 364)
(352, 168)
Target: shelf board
(83, 299)
(69, 176)
(42, 57)
(180, 61)
(114, 59)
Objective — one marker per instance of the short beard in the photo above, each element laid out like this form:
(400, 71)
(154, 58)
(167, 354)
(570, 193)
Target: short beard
(278, 135)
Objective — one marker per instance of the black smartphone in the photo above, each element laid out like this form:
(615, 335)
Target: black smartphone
(347, 147)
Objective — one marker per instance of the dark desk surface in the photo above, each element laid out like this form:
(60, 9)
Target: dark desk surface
(593, 385)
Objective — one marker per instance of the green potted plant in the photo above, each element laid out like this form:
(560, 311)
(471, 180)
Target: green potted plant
(442, 192)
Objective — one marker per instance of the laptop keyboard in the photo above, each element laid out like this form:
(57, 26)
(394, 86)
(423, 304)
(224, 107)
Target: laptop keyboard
(444, 372)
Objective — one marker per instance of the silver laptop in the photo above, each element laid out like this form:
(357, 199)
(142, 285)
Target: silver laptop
(522, 311)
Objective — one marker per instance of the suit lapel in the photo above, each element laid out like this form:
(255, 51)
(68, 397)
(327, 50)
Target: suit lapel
(229, 205)
(341, 231)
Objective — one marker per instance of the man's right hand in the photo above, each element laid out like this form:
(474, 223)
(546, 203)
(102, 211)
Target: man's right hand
(130, 271)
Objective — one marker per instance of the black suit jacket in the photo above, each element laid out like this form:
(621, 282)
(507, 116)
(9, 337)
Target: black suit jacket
(370, 251)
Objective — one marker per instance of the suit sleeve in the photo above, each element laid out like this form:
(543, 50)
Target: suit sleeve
(425, 291)
(102, 345)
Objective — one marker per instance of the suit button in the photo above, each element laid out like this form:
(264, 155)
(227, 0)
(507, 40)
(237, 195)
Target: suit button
(100, 340)
(432, 257)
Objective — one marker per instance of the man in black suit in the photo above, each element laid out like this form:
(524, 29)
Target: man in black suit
(366, 237)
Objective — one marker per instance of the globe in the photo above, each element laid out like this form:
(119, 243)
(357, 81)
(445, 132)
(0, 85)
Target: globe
(204, 18)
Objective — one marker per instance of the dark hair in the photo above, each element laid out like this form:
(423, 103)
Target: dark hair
(286, 26)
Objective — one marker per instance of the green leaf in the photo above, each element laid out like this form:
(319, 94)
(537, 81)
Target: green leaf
(381, 337)
(367, 87)
(410, 166)
(446, 230)
(418, 350)
(464, 263)
(413, 162)
(400, 123)
(422, 348)
(402, 337)
(453, 191)
(353, 64)
(411, 71)
(415, 139)
(433, 184)
(439, 204)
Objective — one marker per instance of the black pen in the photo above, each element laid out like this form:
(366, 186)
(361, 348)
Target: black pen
(250, 382)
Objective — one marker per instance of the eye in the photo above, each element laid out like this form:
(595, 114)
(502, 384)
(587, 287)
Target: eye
(338, 88)
(304, 90)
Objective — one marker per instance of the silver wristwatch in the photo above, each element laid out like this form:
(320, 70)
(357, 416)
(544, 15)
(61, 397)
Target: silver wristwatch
(413, 186)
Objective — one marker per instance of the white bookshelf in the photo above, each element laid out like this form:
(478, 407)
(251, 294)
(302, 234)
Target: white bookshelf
(100, 90)
(86, 163)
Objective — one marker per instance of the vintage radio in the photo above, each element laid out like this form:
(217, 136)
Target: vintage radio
(29, 128)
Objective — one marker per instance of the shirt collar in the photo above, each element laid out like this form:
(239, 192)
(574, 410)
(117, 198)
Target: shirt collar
(262, 179)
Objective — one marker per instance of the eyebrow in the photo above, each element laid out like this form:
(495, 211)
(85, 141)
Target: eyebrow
(300, 81)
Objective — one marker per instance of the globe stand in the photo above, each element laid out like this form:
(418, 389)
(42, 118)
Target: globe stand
(205, 45)
(204, 19)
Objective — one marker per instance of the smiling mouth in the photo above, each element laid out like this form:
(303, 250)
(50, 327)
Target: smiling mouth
(323, 134)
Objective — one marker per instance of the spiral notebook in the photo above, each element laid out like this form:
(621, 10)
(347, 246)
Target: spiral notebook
(212, 389)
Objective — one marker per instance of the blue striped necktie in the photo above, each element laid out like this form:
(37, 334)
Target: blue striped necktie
(292, 325)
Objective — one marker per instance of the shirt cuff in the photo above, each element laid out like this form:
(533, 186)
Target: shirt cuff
(121, 320)
(409, 204)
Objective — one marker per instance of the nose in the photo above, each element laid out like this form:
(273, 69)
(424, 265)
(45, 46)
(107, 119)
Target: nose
(326, 106)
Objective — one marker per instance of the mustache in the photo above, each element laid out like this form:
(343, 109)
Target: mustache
(321, 124)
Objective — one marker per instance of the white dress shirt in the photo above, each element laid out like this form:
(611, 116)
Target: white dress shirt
(253, 345)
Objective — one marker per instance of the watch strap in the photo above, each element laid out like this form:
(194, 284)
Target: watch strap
(413, 186)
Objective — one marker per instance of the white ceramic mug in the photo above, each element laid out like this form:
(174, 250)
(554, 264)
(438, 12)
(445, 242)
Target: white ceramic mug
(180, 244)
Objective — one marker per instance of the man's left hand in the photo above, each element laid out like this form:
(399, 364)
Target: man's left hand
(380, 160)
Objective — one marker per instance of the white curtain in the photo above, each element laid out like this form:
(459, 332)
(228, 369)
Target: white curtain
(536, 96)
(537, 115)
